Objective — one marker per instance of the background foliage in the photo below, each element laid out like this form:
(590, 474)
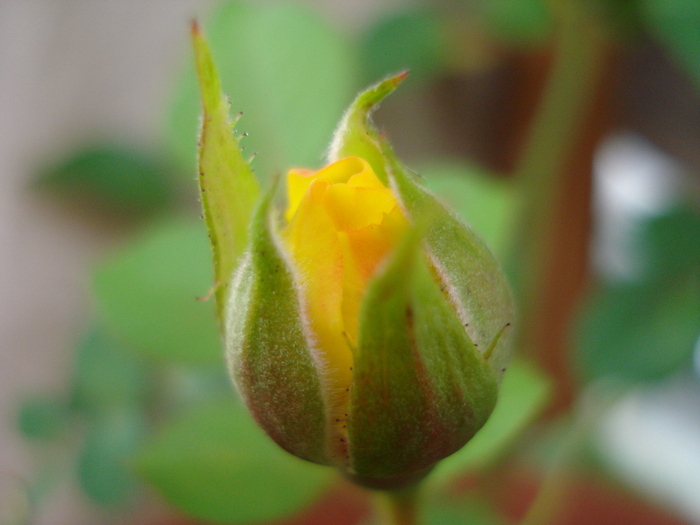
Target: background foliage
(149, 400)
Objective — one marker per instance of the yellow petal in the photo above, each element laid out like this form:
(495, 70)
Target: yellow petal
(298, 180)
(353, 208)
(313, 243)
(363, 251)
(366, 178)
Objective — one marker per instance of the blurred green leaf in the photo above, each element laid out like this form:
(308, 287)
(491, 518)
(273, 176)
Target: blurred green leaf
(286, 69)
(519, 22)
(484, 202)
(645, 329)
(147, 295)
(118, 177)
(103, 467)
(183, 386)
(42, 417)
(624, 16)
(409, 38)
(217, 465)
(676, 23)
(106, 376)
(524, 393)
(639, 332)
(670, 244)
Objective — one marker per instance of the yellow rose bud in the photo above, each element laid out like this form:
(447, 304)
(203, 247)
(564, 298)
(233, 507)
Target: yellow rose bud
(343, 338)
(365, 327)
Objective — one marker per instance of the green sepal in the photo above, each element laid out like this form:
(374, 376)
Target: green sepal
(469, 273)
(420, 387)
(228, 187)
(267, 349)
(355, 136)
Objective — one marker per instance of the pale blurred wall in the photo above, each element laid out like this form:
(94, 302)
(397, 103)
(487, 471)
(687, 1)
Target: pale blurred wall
(71, 70)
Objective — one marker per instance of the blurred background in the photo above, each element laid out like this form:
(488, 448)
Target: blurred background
(566, 132)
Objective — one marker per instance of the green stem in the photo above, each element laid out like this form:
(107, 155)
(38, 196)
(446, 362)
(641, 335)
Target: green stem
(575, 73)
(398, 507)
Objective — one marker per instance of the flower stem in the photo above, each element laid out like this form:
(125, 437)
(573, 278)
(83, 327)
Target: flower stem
(398, 507)
(579, 52)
